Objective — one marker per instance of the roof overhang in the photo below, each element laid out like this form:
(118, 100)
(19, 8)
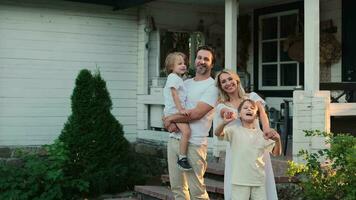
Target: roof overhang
(116, 4)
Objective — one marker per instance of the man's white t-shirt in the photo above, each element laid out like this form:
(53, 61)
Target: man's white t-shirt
(173, 81)
(203, 91)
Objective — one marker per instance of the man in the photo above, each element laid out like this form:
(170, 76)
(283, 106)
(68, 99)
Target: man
(201, 99)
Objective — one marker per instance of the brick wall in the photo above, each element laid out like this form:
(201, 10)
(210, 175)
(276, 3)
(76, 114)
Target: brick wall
(311, 112)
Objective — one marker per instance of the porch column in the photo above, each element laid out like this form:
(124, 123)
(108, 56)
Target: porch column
(231, 14)
(311, 45)
(142, 71)
(311, 106)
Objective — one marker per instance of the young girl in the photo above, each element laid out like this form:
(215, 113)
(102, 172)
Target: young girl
(248, 144)
(174, 101)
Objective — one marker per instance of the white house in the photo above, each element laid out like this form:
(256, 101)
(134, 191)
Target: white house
(44, 44)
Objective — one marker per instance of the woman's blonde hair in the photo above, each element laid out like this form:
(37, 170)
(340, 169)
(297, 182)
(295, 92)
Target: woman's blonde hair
(223, 96)
(171, 59)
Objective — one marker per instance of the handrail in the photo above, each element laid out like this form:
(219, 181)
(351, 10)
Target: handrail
(348, 88)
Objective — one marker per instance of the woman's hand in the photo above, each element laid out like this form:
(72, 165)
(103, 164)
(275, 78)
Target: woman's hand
(271, 134)
(275, 137)
(268, 132)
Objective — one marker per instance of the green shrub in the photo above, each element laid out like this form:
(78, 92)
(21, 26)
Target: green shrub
(90, 157)
(40, 177)
(329, 173)
(99, 153)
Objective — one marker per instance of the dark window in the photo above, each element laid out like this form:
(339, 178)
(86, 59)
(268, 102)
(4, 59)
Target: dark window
(288, 74)
(269, 75)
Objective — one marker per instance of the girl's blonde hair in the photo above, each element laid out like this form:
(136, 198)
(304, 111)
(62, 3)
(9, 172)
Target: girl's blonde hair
(171, 59)
(223, 96)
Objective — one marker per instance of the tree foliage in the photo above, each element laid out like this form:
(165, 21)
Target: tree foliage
(98, 150)
(330, 173)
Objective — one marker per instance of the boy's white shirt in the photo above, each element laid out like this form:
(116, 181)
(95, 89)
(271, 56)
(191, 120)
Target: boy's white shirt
(173, 81)
(200, 91)
(248, 147)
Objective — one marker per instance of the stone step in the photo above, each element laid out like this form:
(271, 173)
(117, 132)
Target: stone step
(147, 192)
(215, 168)
(212, 186)
(127, 195)
(220, 184)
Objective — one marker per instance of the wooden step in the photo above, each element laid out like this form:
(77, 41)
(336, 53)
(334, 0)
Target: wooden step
(153, 192)
(213, 186)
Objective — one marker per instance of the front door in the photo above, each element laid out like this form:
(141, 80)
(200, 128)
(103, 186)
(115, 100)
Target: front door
(348, 41)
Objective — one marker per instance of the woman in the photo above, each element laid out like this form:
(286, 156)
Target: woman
(231, 94)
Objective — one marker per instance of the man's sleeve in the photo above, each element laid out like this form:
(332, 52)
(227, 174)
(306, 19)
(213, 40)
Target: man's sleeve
(210, 96)
(174, 81)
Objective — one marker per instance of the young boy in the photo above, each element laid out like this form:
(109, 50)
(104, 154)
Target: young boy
(248, 145)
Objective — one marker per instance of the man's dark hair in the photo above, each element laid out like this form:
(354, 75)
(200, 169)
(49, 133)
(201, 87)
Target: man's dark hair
(207, 48)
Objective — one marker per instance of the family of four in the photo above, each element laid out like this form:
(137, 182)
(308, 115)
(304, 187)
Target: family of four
(189, 112)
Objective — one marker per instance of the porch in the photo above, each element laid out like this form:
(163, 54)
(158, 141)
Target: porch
(276, 76)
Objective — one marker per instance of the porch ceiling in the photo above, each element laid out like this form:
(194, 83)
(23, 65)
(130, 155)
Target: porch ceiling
(117, 4)
(244, 4)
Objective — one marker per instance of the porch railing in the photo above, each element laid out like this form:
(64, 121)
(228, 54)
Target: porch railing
(347, 89)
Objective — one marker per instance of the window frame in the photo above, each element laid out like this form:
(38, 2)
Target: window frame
(278, 62)
(276, 91)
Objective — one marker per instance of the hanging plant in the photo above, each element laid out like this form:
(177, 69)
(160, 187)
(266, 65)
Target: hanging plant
(330, 48)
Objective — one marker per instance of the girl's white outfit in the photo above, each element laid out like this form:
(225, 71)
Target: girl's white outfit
(270, 183)
(173, 81)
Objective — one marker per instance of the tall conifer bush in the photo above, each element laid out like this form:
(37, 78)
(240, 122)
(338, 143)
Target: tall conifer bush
(98, 150)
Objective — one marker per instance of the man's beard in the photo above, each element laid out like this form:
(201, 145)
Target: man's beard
(202, 70)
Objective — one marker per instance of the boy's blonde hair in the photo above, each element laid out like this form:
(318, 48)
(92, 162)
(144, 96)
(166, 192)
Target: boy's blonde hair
(171, 59)
(223, 96)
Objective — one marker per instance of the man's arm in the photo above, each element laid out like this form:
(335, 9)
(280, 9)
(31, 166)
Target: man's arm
(195, 114)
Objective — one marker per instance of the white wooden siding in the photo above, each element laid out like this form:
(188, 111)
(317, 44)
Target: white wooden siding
(43, 46)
